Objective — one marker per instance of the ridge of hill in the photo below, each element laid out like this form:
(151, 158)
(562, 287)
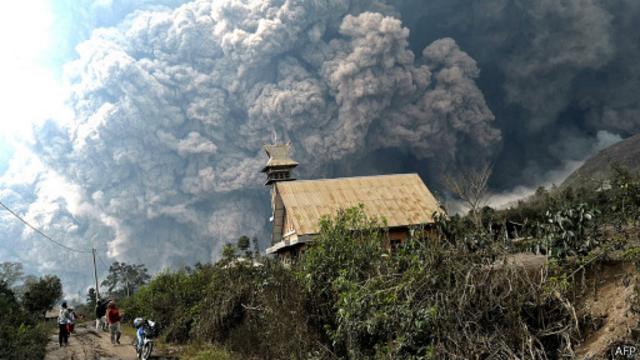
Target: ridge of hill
(598, 168)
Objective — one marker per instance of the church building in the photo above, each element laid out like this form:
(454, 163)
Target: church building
(298, 205)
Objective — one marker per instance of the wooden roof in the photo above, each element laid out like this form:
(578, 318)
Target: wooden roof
(403, 200)
(278, 156)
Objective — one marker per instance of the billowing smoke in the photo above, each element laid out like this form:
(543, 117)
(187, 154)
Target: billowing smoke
(171, 108)
(553, 72)
(171, 104)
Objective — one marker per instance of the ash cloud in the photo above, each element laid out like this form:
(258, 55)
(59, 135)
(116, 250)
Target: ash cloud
(173, 100)
(172, 106)
(553, 72)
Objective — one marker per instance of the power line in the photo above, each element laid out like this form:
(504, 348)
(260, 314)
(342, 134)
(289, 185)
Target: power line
(41, 233)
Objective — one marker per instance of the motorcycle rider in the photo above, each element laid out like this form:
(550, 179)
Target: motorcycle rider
(138, 324)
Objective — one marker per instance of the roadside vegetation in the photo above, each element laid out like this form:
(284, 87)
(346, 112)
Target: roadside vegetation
(23, 304)
(448, 292)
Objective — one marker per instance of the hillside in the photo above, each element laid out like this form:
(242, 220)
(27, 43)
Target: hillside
(625, 153)
(555, 277)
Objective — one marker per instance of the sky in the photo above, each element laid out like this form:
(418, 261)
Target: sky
(25, 71)
(136, 126)
(39, 37)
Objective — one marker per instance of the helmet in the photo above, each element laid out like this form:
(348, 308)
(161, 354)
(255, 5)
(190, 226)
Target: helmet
(138, 322)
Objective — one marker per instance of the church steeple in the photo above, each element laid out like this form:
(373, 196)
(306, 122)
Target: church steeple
(279, 167)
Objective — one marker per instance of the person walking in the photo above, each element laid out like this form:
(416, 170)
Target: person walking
(101, 312)
(113, 319)
(63, 320)
(72, 320)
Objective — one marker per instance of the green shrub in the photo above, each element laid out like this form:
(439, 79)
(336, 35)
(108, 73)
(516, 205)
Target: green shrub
(431, 299)
(448, 296)
(171, 300)
(347, 247)
(23, 336)
(255, 311)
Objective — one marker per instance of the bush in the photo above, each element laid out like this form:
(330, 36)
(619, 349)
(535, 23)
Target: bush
(450, 295)
(253, 311)
(171, 300)
(22, 336)
(347, 248)
(42, 294)
(431, 299)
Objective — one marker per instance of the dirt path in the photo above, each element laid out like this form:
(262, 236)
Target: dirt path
(89, 344)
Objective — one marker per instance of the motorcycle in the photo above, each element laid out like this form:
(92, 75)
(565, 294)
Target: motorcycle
(150, 331)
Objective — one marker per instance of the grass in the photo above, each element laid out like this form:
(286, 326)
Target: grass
(205, 352)
(128, 330)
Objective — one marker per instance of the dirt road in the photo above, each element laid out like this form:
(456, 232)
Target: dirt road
(88, 344)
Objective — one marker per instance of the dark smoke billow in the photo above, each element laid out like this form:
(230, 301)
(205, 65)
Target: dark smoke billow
(172, 105)
(554, 73)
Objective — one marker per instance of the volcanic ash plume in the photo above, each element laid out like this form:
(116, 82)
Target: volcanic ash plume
(172, 108)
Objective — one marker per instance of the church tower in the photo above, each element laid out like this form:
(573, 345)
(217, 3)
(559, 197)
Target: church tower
(279, 166)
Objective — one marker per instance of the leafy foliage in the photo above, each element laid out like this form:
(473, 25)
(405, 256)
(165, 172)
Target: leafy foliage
(11, 273)
(206, 353)
(255, 311)
(170, 299)
(244, 243)
(346, 247)
(42, 294)
(92, 297)
(430, 299)
(22, 335)
(570, 231)
(449, 292)
(124, 279)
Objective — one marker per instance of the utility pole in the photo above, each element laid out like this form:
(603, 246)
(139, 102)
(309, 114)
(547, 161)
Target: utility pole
(95, 274)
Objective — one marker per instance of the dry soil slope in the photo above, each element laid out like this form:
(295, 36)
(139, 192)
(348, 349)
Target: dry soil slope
(625, 153)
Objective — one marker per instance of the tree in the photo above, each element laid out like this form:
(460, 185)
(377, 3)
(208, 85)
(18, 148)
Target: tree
(124, 278)
(21, 335)
(470, 186)
(228, 253)
(91, 298)
(42, 294)
(243, 245)
(7, 297)
(345, 248)
(19, 290)
(11, 273)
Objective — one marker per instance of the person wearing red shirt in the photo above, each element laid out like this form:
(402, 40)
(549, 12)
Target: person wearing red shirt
(113, 319)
